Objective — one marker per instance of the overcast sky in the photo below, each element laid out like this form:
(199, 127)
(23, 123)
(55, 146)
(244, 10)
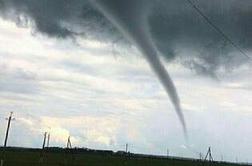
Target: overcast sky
(104, 94)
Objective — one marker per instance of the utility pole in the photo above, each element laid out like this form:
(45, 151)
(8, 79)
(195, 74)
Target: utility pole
(42, 153)
(209, 155)
(200, 156)
(44, 140)
(48, 140)
(69, 150)
(6, 137)
(8, 128)
(126, 148)
(69, 145)
(167, 152)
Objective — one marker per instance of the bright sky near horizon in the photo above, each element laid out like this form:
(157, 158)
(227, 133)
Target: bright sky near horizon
(105, 95)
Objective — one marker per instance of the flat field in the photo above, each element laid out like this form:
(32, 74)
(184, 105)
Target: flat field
(77, 157)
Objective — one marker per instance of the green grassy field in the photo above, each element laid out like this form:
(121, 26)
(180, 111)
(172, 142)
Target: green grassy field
(64, 157)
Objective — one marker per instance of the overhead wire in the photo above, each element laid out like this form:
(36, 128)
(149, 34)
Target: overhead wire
(217, 29)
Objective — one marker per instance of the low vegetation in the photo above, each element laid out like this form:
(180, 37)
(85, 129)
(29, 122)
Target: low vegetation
(88, 157)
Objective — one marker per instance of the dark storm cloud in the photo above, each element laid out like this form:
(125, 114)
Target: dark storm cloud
(174, 25)
(57, 18)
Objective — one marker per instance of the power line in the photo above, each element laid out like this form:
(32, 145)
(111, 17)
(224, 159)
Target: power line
(217, 29)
